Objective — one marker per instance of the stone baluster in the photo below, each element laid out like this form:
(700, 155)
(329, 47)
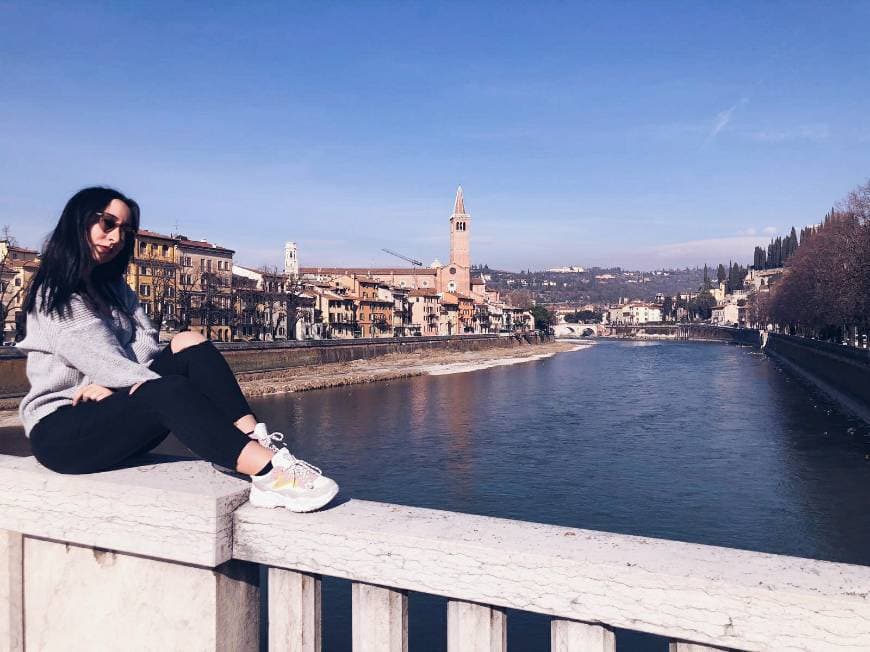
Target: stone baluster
(574, 636)
(11, 592)
(294, 611)
(380, 619)
(475, 627)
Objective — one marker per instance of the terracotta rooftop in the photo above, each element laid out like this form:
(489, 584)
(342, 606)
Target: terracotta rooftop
(154, 234)
(29, 263)
(424, 292)
(23, 250)
(201, 244)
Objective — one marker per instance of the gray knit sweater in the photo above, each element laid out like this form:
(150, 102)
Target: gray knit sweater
(83, 347)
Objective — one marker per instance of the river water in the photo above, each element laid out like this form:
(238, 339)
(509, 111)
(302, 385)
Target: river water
(698, 442)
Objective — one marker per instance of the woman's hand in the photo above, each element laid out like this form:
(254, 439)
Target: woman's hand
(91, 393)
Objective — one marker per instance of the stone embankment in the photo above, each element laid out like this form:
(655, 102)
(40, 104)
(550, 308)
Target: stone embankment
(841, 372)
(391, 366)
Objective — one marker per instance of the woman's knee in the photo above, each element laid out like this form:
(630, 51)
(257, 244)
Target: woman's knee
(164, 387)
(185, 340)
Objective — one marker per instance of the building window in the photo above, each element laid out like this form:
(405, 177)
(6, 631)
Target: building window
(146, 307)
(452, 286)
(165, 250)
(144, 290)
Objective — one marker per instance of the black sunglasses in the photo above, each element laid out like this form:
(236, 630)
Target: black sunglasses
(109, 223)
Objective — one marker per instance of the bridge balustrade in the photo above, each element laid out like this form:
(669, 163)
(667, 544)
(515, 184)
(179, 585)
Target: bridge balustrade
(166, 556)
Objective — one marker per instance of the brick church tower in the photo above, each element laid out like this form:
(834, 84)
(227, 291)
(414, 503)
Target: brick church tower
(460, 232)
(456, 275)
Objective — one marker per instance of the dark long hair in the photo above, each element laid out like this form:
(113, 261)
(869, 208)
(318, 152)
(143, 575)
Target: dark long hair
(66, 265)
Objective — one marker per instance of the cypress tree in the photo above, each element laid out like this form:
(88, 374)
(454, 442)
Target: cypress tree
(759, 259)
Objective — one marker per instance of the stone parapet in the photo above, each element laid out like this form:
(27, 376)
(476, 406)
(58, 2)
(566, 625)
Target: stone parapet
(134, 559)
(703, 594)
(174, 510)
(139, 558)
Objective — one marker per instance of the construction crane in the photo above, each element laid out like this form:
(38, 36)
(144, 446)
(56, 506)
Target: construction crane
(398, 255)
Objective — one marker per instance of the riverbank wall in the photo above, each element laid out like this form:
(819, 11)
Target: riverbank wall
(841, 372)
(686, 332)
(250, 359)
(708, 332)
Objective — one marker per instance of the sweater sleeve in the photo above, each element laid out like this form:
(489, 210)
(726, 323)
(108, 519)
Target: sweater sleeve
(87, 343)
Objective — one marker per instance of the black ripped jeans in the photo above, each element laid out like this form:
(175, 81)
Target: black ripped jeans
(197, 398)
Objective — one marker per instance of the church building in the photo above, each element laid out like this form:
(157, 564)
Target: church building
(454, 277)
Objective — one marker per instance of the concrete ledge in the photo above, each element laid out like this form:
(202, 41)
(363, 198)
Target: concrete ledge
(175, 510)
(704, 594)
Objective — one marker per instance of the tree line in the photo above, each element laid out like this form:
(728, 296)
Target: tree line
(825, 288)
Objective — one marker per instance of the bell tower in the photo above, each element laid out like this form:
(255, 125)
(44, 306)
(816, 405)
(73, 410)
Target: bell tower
(291, 262)
(460, 233)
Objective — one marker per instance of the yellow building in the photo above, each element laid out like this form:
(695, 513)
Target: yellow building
(153, 275)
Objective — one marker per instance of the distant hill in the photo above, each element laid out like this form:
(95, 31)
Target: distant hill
(594, 285)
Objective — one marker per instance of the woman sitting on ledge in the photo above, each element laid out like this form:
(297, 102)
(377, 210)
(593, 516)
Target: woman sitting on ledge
(102, 391)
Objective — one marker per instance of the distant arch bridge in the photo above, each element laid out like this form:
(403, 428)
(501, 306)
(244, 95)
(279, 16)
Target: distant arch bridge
(569, 330)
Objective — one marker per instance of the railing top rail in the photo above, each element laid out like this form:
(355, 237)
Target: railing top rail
(706, 594)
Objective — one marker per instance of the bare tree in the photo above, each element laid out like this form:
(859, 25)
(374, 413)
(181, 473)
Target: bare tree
(13, 282)
(8, 238)
(9, 293)
(825, 290)
(163, 291)
(283, 301)
(188, 295)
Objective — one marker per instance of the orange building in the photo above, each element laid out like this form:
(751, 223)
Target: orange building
(374, 304)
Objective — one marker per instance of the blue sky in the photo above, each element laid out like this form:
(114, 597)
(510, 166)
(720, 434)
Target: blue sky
(634, 134)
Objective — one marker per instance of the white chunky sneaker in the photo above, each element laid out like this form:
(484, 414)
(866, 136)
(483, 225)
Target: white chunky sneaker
(266, 440)
(292, 483)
